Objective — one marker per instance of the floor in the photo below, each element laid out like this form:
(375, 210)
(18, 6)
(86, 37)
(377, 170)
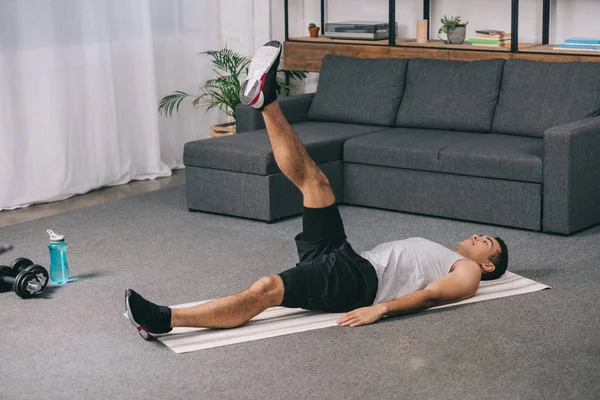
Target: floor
(92, 198)
(542, 345)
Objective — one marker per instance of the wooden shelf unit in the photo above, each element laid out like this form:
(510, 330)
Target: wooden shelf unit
(406, 42)
(307, 56)
(306, 53)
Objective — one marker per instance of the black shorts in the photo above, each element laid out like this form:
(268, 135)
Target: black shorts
(330, 276)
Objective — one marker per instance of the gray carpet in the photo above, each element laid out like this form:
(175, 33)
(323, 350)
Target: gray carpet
(74, 342)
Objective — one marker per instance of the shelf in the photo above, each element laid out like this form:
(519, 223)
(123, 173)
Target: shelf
(439, 44)
(299, 55)
(406, 42)
(325, 39)
(549, 49)
(307, 56)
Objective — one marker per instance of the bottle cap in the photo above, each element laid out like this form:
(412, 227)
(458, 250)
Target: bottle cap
(55, 237)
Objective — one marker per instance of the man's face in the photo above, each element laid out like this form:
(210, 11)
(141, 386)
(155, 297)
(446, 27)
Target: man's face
(478, 248)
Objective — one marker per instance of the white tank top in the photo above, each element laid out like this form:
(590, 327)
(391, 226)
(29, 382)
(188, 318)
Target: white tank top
(405, 266)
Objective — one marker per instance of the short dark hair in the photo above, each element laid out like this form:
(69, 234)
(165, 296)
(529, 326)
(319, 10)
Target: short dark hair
(500, 261)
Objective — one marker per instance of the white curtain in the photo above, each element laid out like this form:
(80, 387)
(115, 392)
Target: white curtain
(80, 82)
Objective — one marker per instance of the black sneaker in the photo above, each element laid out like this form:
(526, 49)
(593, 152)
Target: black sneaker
(259, 89)
(146, 316)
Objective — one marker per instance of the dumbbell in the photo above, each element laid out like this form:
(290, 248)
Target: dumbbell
(24, 264)
(25, 284)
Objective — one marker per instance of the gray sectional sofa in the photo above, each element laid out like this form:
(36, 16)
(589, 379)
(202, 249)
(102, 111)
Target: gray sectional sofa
(514, 143)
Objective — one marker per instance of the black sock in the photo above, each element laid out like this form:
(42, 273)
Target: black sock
(152, 317)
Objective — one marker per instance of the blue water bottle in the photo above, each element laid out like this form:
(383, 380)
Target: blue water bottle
(59, 268)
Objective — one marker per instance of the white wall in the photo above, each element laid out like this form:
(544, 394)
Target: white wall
(568, 18)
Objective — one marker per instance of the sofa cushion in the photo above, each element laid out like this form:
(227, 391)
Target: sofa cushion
(359, 91)
(464, 153)
(456, 95)
(403, 147)
(514, 158)
(536, 96)
(251, 152)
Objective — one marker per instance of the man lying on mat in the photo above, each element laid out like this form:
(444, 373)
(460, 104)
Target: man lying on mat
(394, 278)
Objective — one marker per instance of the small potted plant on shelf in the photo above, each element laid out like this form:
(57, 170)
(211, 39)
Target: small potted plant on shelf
(313, 30)
(223, 91)
(454, 29)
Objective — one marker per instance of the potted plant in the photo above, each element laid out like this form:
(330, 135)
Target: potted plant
(454, 29)
(313, 30)
(223, 91)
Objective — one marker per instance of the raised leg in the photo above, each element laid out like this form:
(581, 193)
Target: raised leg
(293, 160)
(259, 90)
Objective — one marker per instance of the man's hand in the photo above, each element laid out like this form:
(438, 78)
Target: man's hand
(362, 316)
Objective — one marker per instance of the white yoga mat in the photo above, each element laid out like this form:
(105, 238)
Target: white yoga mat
(277, 321)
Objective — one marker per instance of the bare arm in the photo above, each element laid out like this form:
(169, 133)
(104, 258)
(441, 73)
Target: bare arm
(458, 285)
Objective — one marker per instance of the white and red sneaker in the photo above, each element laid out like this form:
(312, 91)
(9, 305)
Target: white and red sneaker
(259, 89)
(146, 316)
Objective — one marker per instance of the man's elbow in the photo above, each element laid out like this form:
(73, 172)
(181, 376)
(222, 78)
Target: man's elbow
(432, 297)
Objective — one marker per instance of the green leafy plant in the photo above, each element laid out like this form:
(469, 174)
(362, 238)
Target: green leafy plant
(449, 24)
(311, 25)
(223, 91)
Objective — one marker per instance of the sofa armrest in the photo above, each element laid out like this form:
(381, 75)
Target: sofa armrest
(295, 109)
(572, 176)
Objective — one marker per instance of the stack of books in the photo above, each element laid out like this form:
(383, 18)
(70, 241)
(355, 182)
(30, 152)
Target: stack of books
(579, 44)
(490, 38)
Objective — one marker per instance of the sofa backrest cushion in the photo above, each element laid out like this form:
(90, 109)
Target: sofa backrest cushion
(451, 95)
(535, 96)
(359, 91)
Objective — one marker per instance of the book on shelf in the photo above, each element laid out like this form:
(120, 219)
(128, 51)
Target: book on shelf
(505, 36)
(578, 46)
(503, 45)
(583, 41)
(497, 46)
(576, 49)
(488, 41)
(490, 32)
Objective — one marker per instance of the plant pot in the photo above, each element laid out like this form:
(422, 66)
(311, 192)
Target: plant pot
(314, 32)
(457, 34)
(225, 129)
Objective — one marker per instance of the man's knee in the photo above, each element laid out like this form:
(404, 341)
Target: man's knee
(270, 288)
(316, 183)
(317, 179)
(317, 192)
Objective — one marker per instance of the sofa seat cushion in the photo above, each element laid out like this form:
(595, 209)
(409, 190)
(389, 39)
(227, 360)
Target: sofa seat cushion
(446, 94)
(536, 96)
(464, 153)
(403, 147)
(251, 152)
(359, 91)
(508, 157)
